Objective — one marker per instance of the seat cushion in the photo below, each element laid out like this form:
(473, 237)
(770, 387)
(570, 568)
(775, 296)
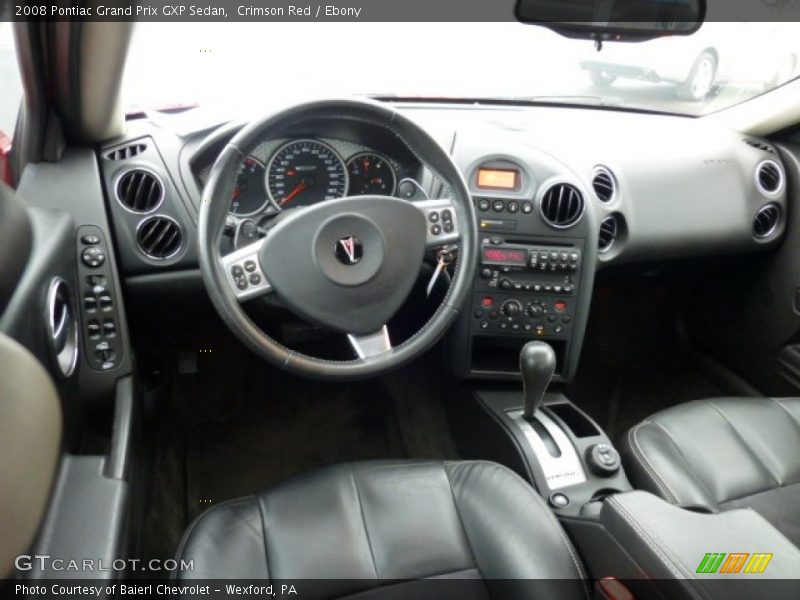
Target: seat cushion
(374, 527)
(722, 453)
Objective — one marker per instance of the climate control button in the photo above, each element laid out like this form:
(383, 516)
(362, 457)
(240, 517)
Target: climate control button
(511, 308)
(535, 311)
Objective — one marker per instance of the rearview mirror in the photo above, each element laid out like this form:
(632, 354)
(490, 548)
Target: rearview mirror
(614, 20)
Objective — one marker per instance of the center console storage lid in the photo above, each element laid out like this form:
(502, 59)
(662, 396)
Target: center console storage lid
(671, 544)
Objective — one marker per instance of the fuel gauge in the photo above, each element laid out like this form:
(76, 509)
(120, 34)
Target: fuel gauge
(371, 174)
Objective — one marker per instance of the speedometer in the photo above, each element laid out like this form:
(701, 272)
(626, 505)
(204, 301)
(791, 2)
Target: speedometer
(304, 172)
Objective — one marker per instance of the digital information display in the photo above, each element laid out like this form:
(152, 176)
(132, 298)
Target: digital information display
(505, 256)
(498, 179)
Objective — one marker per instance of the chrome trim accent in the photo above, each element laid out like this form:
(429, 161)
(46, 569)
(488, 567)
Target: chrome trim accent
(168, 218)
(614, 183)
(546, 188)
(63, 344)
(372, 344)
(774, 226)
(781, 178)
(561, 471)
(158, 204)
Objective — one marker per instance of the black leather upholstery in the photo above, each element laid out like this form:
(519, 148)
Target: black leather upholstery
(378, 526)
(720, 454)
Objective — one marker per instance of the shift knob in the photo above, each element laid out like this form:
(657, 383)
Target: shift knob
(537, 363)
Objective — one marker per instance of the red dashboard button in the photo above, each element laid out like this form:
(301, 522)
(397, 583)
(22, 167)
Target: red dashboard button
(560, 306)
(487, 302)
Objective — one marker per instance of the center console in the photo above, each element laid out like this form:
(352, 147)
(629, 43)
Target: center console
(534, 282)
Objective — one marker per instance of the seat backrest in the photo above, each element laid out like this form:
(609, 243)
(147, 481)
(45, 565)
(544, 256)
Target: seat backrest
(30, 442)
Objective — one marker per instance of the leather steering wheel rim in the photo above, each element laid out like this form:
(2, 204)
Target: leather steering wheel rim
(214, 210)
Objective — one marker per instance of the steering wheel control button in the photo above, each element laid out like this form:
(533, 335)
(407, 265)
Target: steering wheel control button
(436, 229)
(237, 271)
(249, 266)
(559, 500)
(433, 216)
(255, 279)
(241, 283)
(93, 257)
(90, 239)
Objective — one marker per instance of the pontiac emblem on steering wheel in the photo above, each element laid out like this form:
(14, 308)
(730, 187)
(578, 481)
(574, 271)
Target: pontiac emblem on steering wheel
(349, 250)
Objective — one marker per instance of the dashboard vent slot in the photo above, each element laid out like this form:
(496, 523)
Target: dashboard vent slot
(766, 220)
(126, 152)
(604, 185)
(140, 191)
(159, 237)
(562, 205)
(761, 145)
(769, 176)
(609, 227)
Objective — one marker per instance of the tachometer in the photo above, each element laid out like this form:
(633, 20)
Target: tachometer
(370, 173)
(304, 172)
(249, 195)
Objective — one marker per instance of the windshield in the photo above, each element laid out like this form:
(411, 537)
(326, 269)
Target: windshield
(252, 66)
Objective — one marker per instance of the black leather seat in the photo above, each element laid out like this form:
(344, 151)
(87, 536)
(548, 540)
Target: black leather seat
(720, 454)
(377, 528)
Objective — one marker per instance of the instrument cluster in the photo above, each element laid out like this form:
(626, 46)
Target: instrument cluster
(283, 174)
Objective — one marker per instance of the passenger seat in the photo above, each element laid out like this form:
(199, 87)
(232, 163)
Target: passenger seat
(723, 453)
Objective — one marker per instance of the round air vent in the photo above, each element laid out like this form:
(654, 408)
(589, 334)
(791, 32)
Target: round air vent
(609, 228)
(604, 184)
(766, 220)
(62, 327)
(769, 177)
(562, 205)
(140, 191)
(159, 237)
(126, 152)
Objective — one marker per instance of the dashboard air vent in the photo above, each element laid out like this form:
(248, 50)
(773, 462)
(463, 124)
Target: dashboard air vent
(604, 185)
(140, 191)
(766, 220)
(562, 205)
(126, 152)
(769, 176)
(760, 145)
(609, 227)
(159, 237)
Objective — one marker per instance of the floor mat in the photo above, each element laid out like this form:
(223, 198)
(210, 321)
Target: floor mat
(287, 428)
(236, 426)
(631, 366)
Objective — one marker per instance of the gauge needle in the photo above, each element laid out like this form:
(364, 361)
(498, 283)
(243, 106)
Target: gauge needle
(299, 189)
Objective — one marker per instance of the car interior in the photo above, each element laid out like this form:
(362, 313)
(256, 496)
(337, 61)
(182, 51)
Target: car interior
(397, 346)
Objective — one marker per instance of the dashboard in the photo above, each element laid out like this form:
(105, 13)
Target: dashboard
(559, 193)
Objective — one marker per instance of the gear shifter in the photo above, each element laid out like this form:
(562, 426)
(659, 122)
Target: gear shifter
(537, 363)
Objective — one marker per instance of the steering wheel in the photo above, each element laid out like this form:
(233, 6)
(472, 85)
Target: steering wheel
(346, 264)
